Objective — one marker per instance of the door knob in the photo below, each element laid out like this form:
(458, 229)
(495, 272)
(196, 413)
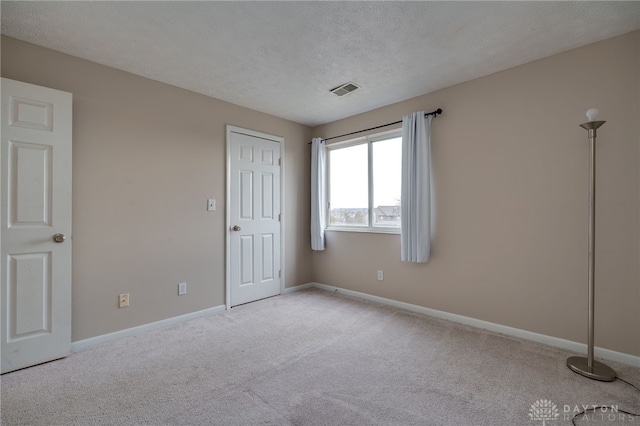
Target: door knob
(236, 228)
(59, 238)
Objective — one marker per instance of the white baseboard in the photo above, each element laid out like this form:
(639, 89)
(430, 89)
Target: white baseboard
(297, 288)
(510, 331)
(81, 345)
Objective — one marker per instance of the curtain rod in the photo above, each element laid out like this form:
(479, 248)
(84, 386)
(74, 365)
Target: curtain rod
(434, 113)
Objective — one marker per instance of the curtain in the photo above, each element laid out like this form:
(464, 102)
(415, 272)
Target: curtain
(318, 193)
(415, 215)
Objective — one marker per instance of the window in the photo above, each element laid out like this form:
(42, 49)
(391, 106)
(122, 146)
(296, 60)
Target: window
(364, 183)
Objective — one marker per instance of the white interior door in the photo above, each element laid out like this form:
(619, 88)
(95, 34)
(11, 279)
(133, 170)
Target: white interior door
(35, 299)
(254, 216)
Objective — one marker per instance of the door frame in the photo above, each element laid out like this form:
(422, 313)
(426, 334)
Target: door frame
(279, 139)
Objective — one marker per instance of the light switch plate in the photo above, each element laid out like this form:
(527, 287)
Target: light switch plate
(211, 204)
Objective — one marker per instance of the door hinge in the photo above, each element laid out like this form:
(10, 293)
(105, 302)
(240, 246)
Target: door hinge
(280, 274)
(279, 161)
(279, 217)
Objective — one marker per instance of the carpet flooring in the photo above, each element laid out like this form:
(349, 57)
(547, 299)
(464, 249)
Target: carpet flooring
(314, 357)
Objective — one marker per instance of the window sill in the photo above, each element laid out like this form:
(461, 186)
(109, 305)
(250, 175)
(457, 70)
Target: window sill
(392, 231)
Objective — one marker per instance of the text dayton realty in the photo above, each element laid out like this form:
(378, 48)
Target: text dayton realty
(609, 413)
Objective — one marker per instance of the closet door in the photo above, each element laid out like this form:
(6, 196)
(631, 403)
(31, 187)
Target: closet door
(36, 225)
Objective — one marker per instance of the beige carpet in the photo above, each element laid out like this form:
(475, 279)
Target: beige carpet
(312, 358)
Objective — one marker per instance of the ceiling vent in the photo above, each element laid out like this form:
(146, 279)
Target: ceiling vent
(345, 88)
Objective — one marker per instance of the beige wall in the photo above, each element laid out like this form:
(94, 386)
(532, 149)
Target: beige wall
(511, 170)
(146, 156)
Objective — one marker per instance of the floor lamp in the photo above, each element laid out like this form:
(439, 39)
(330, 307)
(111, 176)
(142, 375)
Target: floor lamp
(589, 367)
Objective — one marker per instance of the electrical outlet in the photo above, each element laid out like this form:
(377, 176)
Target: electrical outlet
(182, 289)
(123, 300)
(380, 275)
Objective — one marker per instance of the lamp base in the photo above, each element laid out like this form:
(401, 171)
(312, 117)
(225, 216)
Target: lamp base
(600, 371)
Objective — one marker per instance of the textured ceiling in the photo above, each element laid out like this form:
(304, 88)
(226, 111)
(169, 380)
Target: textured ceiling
(283, 57)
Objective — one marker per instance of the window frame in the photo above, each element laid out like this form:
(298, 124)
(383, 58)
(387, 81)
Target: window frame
(369, 140)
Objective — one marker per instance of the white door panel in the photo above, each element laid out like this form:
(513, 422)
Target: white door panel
(35, 296)
(254, 217)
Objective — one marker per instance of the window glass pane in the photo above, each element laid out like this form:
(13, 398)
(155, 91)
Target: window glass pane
(348, 185)
(387, 170)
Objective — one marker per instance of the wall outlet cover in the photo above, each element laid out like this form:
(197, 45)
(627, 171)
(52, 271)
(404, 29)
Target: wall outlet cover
(123, 300)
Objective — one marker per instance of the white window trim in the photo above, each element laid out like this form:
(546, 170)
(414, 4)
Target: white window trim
(369, 140)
